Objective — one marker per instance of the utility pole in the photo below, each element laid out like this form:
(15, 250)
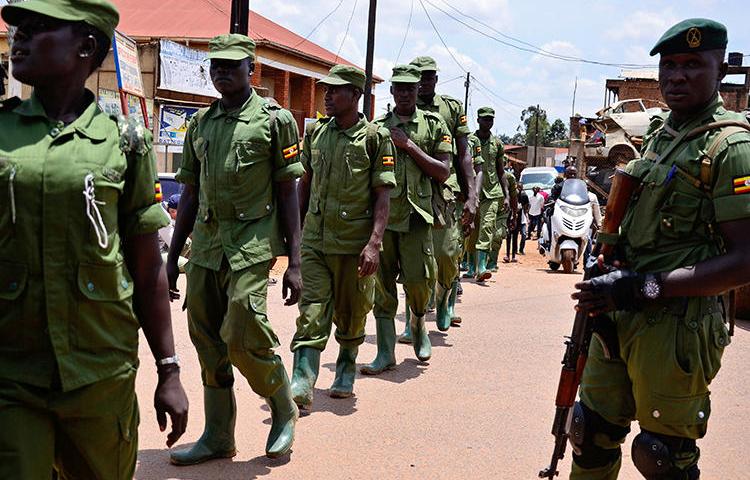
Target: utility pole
(239, 22)
(466, 98)
(536, 134)
(367, 107)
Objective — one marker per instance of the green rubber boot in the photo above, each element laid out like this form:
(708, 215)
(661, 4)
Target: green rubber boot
(284, 415)
(304, 375)
(217, 440)
(422, 345)
(431, 304)
(492, 261)
(455, 320)
(443, 315)
(482, 272)
(406, 336)
(346, 370)
(472, 260)
(386, 357)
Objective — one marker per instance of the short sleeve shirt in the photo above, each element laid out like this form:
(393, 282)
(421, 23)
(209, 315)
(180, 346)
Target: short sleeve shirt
(345, 167)
(413, 192)
(492, 155)
(475, 147)
(234, 157)
(71, 196)
(679, 228)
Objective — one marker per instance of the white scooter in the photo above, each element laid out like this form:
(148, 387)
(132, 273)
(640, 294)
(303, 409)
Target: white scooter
(566, 240)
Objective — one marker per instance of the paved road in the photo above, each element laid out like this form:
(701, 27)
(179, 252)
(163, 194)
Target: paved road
(481, 409)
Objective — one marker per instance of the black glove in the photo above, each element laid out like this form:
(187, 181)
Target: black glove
(618, 290)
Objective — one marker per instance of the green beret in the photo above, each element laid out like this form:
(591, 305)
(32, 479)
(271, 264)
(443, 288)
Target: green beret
(425, 64)
(232, 46)
(692, 35)
(100, 14)
(406, 74)
(486, 112)
(345, 75)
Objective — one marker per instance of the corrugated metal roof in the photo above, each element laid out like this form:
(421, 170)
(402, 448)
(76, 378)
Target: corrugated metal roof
(203, 19)
(640, 74)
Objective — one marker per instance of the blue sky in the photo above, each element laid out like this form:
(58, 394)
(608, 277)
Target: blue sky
(606, 31)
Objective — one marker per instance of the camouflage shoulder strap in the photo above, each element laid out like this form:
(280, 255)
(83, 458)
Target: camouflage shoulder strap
(372, 141)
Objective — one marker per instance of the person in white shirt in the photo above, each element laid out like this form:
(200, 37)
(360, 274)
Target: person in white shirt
(536, 206)
(165, 233)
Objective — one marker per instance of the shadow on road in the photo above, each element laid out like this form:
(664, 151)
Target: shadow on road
(154, 464)
(742, 324)
(408, 369)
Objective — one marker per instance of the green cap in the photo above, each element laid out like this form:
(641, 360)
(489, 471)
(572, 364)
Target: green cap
(425, 64)
(345, 75)
(100, 14)
(486, 112)
(692, 35)
(232, 46)
(406, 74)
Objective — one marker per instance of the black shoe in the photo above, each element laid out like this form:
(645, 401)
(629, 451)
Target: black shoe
(460, 290)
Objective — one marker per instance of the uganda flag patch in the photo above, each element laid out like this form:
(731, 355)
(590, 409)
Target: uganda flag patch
(462, 120)
(388, 161)
(157, 192)
(741, 184)
(447, 139)
(479, 150)
(290, 152)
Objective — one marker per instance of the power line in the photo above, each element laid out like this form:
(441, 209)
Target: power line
(451, 80)
(406, 33)
(437, 32)
(346, 32)
(485, 87)
(535, 50)
(319, 24)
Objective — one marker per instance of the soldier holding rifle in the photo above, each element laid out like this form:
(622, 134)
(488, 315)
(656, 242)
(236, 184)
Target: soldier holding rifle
(660, 320)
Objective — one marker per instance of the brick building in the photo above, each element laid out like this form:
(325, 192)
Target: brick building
(287, 66)
(644, 84)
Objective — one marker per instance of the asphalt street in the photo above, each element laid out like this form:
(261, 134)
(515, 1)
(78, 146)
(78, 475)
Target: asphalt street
(481, 408)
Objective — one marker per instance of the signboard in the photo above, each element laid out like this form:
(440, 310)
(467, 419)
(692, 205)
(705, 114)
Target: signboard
(173, 123)
(182, 69)
(109, 101)
(126, 63)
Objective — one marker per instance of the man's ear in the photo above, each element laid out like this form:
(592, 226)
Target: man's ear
(723, 70)
(88, 47)
(250, 67)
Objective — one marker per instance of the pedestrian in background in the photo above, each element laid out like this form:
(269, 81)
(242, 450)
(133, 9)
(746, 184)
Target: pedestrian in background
(536, 207)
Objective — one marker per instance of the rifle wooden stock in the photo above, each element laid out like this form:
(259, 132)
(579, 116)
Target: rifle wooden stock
(623, 186)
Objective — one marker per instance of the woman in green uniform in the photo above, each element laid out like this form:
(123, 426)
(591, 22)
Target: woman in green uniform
(80, 269)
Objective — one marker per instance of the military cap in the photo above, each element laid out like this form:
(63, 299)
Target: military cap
(692, 35)
(231, 46)
(100, 14)
(425, 64)
(486, 112)
(345, 75)
(406, 74)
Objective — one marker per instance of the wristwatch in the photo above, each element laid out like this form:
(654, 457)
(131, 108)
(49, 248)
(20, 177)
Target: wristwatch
(175, 360)
(651, 288)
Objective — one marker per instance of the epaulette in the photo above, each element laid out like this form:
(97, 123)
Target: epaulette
(132, 135)
(433, 115)
(449, 99)
(9, 104)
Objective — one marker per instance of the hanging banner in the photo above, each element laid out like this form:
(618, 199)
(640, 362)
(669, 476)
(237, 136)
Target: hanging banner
(173, 123)
(182, 69)
(128, 68)
(109, 101)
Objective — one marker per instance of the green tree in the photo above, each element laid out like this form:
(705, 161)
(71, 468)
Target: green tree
(534, 123)
(557, 135)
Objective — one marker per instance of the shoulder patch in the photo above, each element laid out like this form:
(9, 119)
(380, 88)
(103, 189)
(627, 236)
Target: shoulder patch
(741, 184)
(132, 136)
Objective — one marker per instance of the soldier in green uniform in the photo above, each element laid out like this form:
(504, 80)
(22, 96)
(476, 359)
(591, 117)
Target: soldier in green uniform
(491, 198)
(423, 150)
(80, 268)
(506, 218)
(682, 244)
(240, 165)
(344, 198)
(460, 197)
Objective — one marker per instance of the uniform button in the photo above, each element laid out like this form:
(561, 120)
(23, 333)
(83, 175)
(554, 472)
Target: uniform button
(344, 214)
(722, 341)
(124, 283)
(13, 286)
(268, 207)
(242, 215)
(228, 120)
(701, 415)
(54, 132)
(693, 324)
(656, 414)
(90, 286)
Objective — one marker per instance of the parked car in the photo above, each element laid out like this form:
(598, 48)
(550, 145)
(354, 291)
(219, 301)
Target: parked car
(169, 186)
(542, 177)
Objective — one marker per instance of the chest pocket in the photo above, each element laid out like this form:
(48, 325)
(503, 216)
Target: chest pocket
(356, 175)
(249, 171)
(8, 195)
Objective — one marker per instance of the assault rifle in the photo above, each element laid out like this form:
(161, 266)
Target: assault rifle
(577, 345)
